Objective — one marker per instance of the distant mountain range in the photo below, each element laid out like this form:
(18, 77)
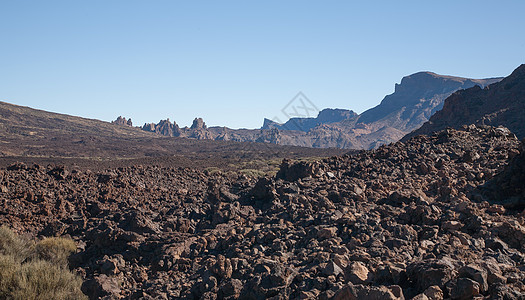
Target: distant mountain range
(326, 116)
(414, 100)
(35, 133)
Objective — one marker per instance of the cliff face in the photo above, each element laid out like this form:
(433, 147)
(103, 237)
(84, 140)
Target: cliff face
(502, 103)
(417, 98)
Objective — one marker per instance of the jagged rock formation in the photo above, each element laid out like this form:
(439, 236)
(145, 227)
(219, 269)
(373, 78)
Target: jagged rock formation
(398, 223)
(123, 122)
(502, 103)
(413, 102)
(164, 127)
(198, 123)
(198, 129)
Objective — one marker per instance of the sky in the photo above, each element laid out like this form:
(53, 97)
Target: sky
(234, 63)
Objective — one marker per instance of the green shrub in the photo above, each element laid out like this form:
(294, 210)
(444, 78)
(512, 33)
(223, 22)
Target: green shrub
(37, 271)
(252, 172)
(212, 170)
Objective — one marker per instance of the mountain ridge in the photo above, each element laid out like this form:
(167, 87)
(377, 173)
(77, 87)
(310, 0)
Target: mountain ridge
(500, 104)
(325, 116)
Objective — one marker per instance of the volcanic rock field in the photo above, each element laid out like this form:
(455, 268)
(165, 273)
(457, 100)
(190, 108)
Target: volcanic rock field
(435, 217)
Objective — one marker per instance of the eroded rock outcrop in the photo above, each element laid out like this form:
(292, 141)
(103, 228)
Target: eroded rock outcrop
(123, 122)
(164, 127)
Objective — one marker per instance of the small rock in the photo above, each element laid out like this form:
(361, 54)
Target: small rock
(434, 293)
(223, 267)
(264, 189)
(451, 225)
(420, 297)
(496, 208)
(230, 288)
(326, 233)
(432, 272)
(332, 269)
(357, 272)
(101, 286)
(471, 156)
(464, 289)
(477, 274)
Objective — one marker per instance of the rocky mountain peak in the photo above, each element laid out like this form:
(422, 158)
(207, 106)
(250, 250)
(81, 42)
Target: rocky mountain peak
(164, 127)
(122, 121)
(331, 115)
(325, 116)
(516, 77)
(268, 124)
(198, 123)
(422, 92)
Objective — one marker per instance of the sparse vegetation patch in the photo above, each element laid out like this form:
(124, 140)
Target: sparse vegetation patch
(39, 270)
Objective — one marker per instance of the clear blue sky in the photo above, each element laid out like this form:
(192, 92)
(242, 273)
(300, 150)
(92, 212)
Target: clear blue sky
(235, 62)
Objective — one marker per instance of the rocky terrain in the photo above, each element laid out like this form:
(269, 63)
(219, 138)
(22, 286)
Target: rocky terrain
(502, 103)
(508, 187)
(414, 100)
(412, 220)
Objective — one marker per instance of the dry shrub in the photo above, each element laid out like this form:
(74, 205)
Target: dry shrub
(41, 279)
(37, 271)
(12, 245)
(8, 270)
(55, 249)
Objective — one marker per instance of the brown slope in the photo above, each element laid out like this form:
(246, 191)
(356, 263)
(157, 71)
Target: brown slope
(22, 120)
(501, 103)
(32, 135)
